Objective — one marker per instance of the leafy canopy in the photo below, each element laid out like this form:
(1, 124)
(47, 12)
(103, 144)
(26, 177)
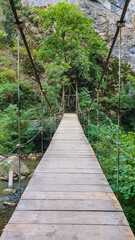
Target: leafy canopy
(71, 46)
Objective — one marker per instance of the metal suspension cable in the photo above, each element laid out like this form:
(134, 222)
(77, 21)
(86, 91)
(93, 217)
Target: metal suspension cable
(31, 139)
(22, 145)
(28, 50)
(111, 49)
(9, 154)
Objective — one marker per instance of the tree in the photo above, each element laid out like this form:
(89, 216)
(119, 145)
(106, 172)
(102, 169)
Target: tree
(71, 50)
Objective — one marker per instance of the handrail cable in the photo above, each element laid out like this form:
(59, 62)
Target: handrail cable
(110, 51)
(8, 154)
(22, 146)
(28, 50)
(116, 143)
(31, 139)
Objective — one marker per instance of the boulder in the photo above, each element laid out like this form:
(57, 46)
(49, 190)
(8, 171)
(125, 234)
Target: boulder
(12, 163)
(34, 156)
(1, 157)
(8, 191)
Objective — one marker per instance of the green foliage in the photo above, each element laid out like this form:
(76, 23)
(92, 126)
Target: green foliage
(8, 21)
(107, 156)
(30, 127)
(72, 48)
(6, 165)
(84, 98)
(7, 75)
(2, 38)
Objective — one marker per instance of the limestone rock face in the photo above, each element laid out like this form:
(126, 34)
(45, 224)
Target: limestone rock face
(13, 164)
(105, 13)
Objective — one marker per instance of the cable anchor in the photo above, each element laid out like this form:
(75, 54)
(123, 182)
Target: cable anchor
(18, 25)
(19, 145)
(120, 24)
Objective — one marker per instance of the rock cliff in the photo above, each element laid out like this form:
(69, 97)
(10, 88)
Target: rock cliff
(105, 13)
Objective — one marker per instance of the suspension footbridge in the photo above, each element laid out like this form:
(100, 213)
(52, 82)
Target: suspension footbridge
(68, 196)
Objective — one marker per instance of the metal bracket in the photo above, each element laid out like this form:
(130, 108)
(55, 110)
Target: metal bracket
(97, 89)
(18, 25)
(19, 145)
(121, 24)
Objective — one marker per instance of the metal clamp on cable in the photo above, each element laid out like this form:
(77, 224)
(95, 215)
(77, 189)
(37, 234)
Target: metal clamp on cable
(19, 145)
(97, 89)
(120, 24)
(44, 91)
(18, 25)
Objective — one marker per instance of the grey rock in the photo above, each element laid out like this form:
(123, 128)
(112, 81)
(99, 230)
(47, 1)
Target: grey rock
(1, 157)
(34, 156)
(8, 191)
(105, 14)
(12, 163)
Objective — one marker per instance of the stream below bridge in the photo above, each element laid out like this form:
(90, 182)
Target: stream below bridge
(6, 212)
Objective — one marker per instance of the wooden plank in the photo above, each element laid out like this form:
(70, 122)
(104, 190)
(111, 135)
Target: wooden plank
(68, 195)
(69, 164)
(53, 178)
(69, 188)
(59, 157)
(69, 170)
(69, 217)
(70, 205)
(65, 176)
(66, 232)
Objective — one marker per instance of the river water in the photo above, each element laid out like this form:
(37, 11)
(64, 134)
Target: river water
(6, 212)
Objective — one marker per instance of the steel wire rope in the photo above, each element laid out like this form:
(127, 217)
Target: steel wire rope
(22, 146)
(111, 139)
(31, 139)
(116, 143)
(95, 126)
(8, 154)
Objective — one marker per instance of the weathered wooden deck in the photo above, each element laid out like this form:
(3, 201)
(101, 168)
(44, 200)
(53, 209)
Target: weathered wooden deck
(68, 197)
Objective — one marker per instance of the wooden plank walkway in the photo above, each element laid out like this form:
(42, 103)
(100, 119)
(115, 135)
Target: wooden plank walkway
(68, 197)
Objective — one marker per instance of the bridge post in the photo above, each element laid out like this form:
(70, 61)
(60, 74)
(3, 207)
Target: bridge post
(97, 90)
(10, 179)
(76, 98)
(42, 144)
(88, 124)
(19, 26)
(63, 98)
(120, 25)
